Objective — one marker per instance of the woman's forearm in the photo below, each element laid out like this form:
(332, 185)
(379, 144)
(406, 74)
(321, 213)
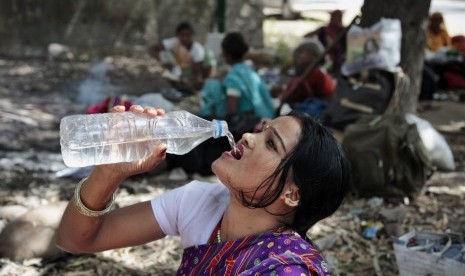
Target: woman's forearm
(77, 232)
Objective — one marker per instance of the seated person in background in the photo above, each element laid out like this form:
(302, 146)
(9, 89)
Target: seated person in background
(444, 67)
(458, 44)
(454, 70)
(184, 57)
(437, 38)
(437, 35)
(284, 179)
(241, 90)
(327, 35)
(318, 83)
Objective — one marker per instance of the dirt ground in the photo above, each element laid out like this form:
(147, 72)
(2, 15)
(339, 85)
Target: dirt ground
(35, 95)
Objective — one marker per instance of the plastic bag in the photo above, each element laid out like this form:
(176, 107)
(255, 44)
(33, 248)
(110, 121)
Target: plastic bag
(377, 47)
(154, 99)
(440, 152)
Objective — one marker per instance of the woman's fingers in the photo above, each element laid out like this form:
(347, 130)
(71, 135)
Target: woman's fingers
(136, 109)
(152, 112)
(149, 111)
(118, 108)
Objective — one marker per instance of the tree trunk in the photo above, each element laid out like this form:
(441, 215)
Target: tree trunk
(413, 15)
(246, 16)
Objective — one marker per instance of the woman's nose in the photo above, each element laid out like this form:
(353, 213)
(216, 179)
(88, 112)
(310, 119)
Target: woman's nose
(248, 140)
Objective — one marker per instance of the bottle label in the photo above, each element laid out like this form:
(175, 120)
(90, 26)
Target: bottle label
(218, 130)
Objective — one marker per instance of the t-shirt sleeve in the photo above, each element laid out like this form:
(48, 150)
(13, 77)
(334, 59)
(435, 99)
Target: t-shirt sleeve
(169, 43)
(233, 92)
(233, 84)
(166, 210)
(197, 52)
(191, 211)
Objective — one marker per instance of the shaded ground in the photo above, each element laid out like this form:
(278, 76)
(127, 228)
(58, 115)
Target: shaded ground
(34, 96)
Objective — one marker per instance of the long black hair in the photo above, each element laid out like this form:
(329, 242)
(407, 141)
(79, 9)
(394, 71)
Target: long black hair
(318, 167)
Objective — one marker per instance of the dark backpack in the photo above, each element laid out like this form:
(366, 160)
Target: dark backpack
(387, 156)
(386, 153)
(358, 95)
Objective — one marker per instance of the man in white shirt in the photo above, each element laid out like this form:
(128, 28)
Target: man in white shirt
(183, 56)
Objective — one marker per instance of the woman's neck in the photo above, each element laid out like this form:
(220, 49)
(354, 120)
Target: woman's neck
(239, 221)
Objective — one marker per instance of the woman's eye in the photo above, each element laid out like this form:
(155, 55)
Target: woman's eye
(270, 143)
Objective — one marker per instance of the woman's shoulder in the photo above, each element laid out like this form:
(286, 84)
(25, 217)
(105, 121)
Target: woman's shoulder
(236, 75)
(196, 192)
(291, 250)
(241, 72)
(290, 241)
(206, 192)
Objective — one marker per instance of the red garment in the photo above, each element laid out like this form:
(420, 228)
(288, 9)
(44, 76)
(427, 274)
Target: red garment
(454, 77)
(317, 84)
(107, 104)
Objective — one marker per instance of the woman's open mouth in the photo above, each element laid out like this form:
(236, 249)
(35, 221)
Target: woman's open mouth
(237, 152)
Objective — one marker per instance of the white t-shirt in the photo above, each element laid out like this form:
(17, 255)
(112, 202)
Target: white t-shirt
(191, 211)
(197, 51)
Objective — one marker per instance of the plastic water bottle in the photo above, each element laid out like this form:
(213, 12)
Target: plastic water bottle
(122, 137)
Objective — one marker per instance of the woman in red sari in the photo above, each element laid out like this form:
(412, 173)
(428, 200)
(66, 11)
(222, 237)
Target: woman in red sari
(280, 182)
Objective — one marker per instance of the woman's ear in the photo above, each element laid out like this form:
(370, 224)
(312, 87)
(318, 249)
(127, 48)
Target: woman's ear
(291, 195)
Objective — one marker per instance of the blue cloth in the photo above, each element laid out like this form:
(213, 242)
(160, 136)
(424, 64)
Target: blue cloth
(314, 107)
(213, 99)
(254, 93)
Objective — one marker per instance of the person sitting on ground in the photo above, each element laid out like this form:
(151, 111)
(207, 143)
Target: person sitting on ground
(437, 38)
(454, 70)
(318, 83)
(327, 35)
(184, 57)
(241, 90)
(280, 182)
(437, 35)
(443, 67)
(458, 44)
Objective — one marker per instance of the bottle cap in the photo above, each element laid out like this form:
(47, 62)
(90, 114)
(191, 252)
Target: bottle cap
(220, 128)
